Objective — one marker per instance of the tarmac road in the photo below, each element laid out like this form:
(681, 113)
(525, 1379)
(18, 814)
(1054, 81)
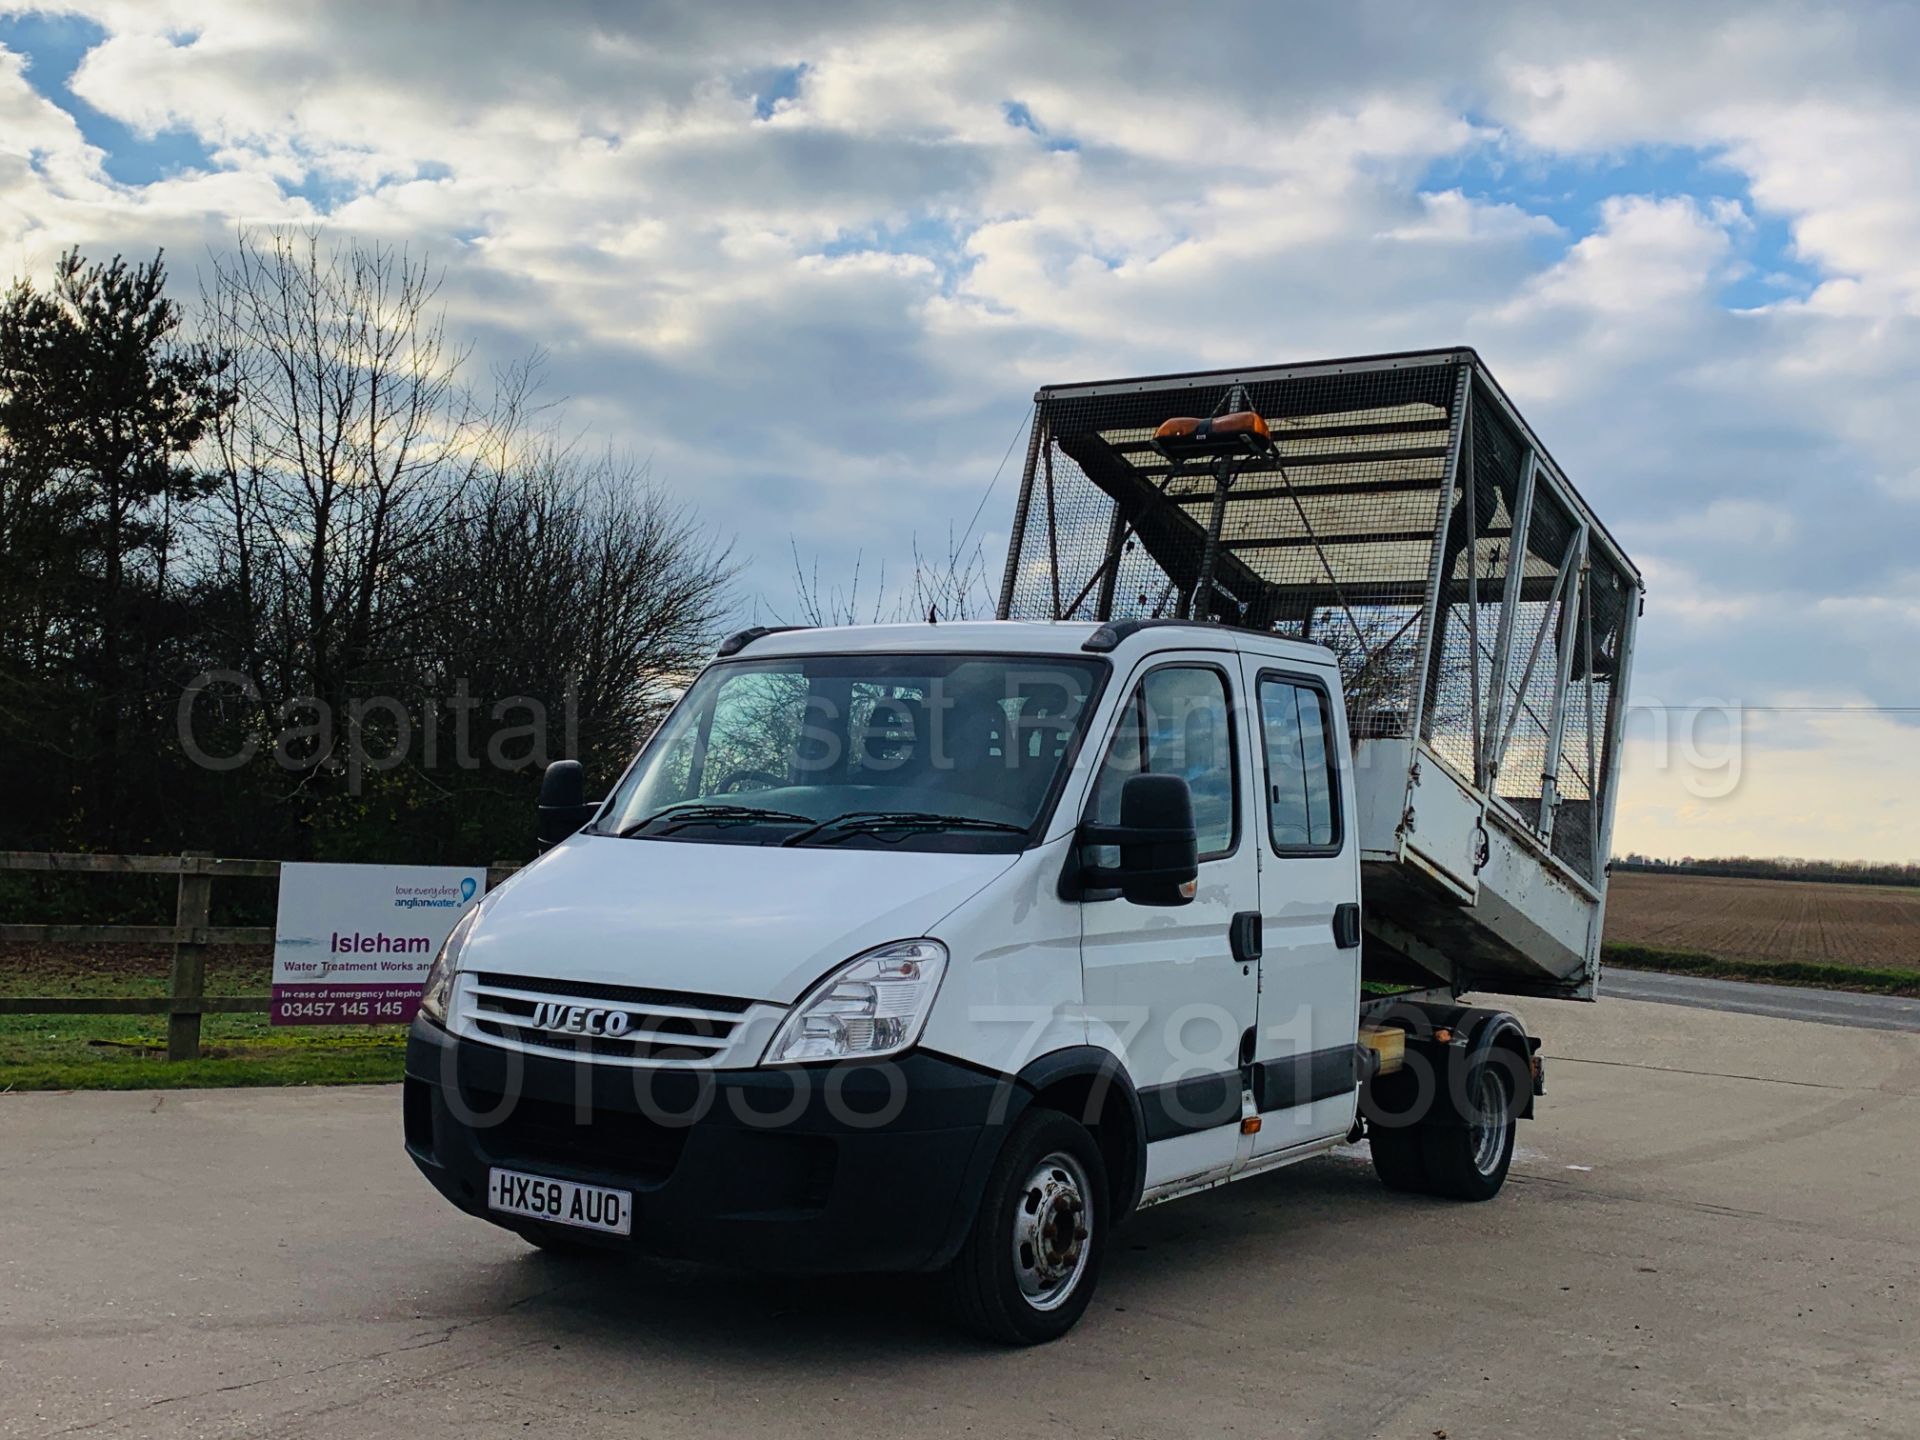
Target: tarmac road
(1713, 1229)
(1794, 1002)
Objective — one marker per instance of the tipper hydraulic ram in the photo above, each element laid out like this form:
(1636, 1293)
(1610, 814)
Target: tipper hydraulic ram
(1399, 511)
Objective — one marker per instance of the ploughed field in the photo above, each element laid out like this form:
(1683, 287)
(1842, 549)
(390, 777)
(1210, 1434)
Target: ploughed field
(1764, 923)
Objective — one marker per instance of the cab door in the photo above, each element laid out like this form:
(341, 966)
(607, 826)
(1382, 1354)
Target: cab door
(1163, 986)
(1303, 1075)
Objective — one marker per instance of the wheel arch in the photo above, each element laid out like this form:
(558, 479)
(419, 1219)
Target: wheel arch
(1477, 1030)
(1092, 1086)
(1503, 1032)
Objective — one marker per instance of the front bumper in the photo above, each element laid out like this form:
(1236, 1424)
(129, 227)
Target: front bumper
(873, 1166)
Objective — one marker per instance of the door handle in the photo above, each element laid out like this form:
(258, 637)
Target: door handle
(1245, 935)
(1346, 926)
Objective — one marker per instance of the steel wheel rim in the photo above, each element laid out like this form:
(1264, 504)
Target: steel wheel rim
(1489, 1128)
(1052, 1231)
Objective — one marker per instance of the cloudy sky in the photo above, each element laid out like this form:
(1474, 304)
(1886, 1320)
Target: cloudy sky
(814, 260)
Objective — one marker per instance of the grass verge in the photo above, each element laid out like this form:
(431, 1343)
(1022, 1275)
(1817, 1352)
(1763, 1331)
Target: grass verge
(128, 1052)
(1811, 974)
(314, 1063)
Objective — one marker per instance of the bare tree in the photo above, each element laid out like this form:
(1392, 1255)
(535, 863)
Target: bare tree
(836, 604)
(386, 530)
(953, 587)
(315, 500)
(351, 442)
(580, 584)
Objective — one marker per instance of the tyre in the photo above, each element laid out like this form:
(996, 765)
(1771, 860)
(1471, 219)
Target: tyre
(1399, 1158)
(1030, 1264)
(1469, 1159)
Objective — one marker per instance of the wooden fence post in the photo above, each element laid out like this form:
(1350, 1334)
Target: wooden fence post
(188, 987)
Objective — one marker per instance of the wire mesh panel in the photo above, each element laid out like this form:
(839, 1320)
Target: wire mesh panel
(1582, 777)
(1325, 535)
(1462, 708)
(1526, 704)
(1395, 511)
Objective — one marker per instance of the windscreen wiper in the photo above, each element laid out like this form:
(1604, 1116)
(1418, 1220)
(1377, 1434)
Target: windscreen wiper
(872, 821)
(701, 812)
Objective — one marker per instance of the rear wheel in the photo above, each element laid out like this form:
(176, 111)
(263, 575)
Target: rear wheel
(1028, 1269)
(1398, 1158)
(1462, 1156)
(1469, 1159)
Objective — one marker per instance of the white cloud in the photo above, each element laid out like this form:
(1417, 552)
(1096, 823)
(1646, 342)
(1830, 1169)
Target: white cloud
(1746, 524)
(878, 269)
(1449, 216)
(1648, 257)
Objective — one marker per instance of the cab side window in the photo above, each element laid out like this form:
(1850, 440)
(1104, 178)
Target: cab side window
(1303, 792)
(1177, 722)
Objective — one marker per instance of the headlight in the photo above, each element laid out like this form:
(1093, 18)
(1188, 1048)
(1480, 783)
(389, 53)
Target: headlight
(436, 992)
(876, 1004)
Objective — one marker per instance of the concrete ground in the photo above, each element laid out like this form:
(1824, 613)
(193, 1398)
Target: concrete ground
(1713, 1229)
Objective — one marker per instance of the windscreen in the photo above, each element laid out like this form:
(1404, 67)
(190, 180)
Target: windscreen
(928, 752)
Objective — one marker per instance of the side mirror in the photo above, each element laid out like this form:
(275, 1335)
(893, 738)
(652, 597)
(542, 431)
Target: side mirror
(1159, 847)
(564, 806)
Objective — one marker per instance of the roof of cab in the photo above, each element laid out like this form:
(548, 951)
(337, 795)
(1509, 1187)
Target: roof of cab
(1021, 637)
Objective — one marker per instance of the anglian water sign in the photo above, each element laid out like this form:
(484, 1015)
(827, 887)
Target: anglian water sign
(352, 942)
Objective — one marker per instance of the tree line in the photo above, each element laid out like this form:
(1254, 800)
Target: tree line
(280, 577)
(1749, 867)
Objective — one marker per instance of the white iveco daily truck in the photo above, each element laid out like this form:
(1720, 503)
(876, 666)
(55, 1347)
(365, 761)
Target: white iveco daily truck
(947, 946)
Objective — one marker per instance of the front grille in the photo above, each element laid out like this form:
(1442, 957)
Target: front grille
(633, 995)
(661, 1026)
(624, 1047)
(527, 1130)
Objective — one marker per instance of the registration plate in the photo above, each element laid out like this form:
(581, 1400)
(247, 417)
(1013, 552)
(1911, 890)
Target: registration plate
(561, 1202)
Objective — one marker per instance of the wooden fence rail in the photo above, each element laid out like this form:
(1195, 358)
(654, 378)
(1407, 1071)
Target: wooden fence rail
(191, 935)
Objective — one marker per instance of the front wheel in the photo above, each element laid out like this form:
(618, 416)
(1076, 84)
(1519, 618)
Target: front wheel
(1028, 1269)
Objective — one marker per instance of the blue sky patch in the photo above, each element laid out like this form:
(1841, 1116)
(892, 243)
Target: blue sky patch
(1570, 190)
(326, 192)
(1021, 118)
(54, 46)
(321, 190)
(932, 237)
(770, 87)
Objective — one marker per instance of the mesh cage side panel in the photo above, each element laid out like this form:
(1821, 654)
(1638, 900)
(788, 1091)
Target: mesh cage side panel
(1614, 595)
(1330, 539)
(1584, 777)
(1461, 706)
(1533, 669)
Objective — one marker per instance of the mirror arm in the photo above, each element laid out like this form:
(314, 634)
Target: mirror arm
(1092, 833)
(557, 822)
(1107, 877)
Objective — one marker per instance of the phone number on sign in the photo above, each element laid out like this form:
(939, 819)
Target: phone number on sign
(345, 1005)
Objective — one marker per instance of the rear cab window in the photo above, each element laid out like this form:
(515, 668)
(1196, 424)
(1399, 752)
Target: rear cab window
(1303, 779)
